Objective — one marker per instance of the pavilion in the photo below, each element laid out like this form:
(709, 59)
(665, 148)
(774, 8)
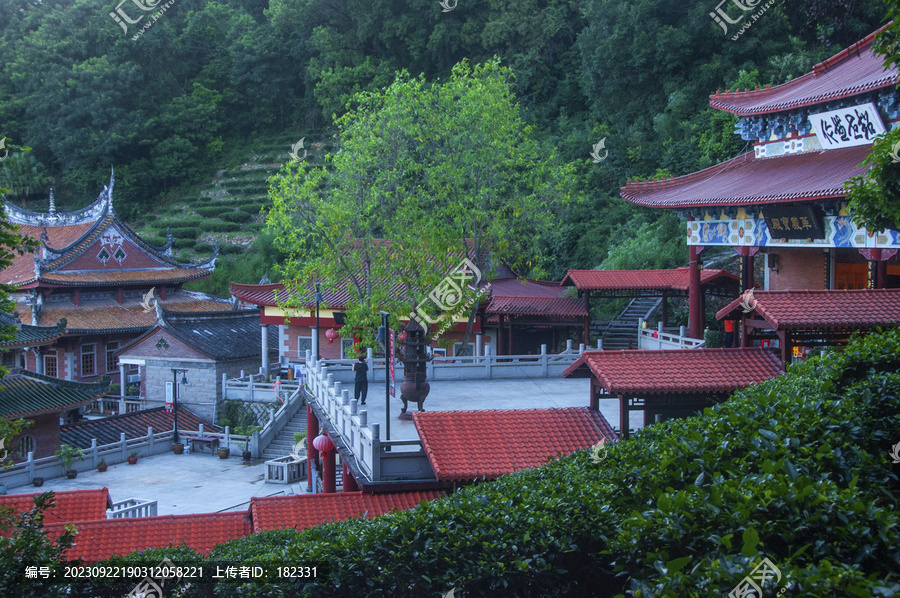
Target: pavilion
(101, 277)
(670, 383)
(787, 198)
(800, 320)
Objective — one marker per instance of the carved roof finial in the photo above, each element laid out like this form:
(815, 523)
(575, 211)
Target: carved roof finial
(112, 182)
(52, 202)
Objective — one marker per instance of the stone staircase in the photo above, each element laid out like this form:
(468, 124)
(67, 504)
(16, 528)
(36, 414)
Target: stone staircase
(622, 332)
(284, 441)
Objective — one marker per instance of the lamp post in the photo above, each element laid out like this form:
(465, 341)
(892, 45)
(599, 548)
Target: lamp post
(318, 301)
(175, 438)
(385, 318)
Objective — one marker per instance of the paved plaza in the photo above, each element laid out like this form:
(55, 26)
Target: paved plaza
(203, 483)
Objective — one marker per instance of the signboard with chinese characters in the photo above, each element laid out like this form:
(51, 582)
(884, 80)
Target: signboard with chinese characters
(794, 222)
(170, 398)
(846, 127)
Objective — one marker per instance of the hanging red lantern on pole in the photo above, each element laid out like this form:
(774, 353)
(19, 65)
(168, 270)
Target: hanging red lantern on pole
(331, 334)
(323, 443)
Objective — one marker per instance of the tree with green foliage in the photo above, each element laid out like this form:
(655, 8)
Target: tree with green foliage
(425, 174)
(874, 195)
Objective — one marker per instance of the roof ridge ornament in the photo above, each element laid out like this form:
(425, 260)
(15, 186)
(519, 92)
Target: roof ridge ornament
(52, 202)
(112, 182)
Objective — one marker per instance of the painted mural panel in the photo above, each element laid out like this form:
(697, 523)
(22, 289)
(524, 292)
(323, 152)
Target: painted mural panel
(840, 231)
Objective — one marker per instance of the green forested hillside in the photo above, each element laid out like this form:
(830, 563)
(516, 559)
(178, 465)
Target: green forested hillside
(202, 88)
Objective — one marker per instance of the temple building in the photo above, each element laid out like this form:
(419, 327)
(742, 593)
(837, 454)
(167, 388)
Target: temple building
(786, 198)
(99, 281)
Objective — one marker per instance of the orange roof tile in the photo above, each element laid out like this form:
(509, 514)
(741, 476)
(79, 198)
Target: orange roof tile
(308, 510)
(676, 279)
(107, 314)
(823, 309)
(22, 268)
(98, 540)
(71, 505)
(691, 371)
(468, 445)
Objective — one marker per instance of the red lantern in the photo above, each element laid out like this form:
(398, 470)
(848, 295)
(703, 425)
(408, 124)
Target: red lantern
(331, 334)
(403, 337)
(323, 443)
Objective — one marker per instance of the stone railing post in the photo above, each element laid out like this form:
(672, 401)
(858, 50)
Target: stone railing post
(124, 445)
(544, 368)
(94, 452)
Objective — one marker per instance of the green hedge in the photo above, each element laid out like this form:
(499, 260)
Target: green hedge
(183, 244)
(240, 217)
(213, 210)
(203, 247)
(153, 240)
(185, 222)
(795, 469)
(186, 233)
(217, 226)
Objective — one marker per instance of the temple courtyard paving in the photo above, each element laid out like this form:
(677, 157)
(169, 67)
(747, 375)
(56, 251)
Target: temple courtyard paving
(203, 483)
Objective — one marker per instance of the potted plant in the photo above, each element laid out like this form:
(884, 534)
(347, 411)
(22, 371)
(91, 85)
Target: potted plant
(38, 482)
(133, 457)
(2, 488)
(224, 452)
(102, 466)
(178, 448)
(67, 454)
(248, 431)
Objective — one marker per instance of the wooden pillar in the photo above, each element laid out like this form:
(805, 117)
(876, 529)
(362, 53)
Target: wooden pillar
(510, 336)
(587, 320)
(328, 471)
(595, 402)
(881, 274)
(312, 430)
(501, 333)
(784, 339)
(695, 294)
(664, 316)
(350, 484)
(624, 419)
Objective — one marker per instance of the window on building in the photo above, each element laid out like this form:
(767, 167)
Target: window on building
(112, 362)
(88, 361)
(8, 359)
(304, 344)
(25, 445)
(50, 368)
(347, 349)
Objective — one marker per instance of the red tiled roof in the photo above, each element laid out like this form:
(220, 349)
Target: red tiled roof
(308, 510)
(519, 287)
(148, 277)
(71, 505)
(745, 180)
(676, 279)
(96, 316)
(465, 445)
(852, 71)
(22, 268)
(691, 371)
(823, 309)
(538, 306)
(98, 540)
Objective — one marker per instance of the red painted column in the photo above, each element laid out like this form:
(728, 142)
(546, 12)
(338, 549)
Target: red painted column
(312, 430)
(695, 300)
(328, 471)
(595, 402)
(350, 484)
(624, 419)
(880, 269)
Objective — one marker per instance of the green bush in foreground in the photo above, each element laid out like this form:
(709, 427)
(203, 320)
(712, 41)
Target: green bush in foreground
(795, 470)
